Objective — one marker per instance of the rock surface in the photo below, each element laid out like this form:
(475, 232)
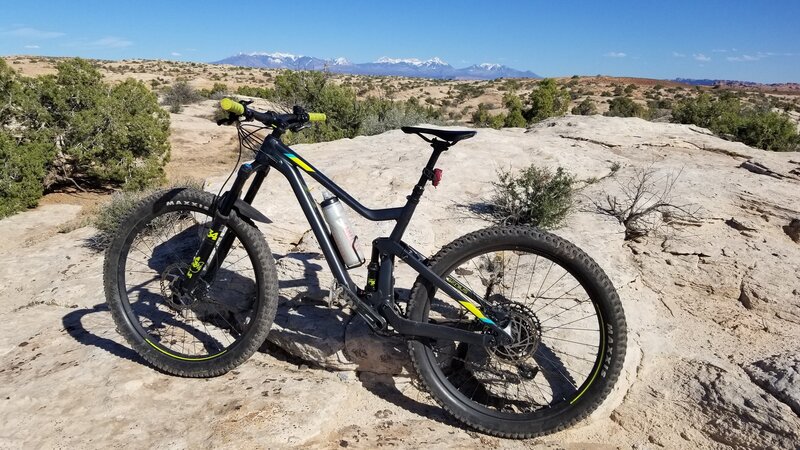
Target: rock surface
(780, 376)
(695, 372)
(793, 230)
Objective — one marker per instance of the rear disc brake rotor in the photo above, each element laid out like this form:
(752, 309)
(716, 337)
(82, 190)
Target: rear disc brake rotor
(526, 332)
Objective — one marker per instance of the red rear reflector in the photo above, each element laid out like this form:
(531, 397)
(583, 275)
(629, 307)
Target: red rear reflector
(437, 176)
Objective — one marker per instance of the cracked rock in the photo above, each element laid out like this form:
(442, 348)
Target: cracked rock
(751, 293)
(780, 376)
(793, 230)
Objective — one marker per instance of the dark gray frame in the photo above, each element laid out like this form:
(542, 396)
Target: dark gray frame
(379, 309)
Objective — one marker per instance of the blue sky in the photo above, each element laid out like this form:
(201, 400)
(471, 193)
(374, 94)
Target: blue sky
(743, 40)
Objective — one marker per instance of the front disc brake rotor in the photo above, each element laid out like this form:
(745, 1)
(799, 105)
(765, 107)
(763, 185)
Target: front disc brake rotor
(175, 298)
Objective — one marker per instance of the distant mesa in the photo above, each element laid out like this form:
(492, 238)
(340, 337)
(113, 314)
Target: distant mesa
(737, 84)
(408, 67)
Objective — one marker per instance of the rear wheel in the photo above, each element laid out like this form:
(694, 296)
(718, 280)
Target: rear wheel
(563, 312)
(221, 323)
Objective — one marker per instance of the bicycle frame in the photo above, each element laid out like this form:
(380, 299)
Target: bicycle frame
(377, 306)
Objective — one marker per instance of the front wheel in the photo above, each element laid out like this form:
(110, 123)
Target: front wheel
(566, 319)
(216, 326)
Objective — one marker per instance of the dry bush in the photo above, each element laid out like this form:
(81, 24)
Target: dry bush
(647, 203)
(110, 215)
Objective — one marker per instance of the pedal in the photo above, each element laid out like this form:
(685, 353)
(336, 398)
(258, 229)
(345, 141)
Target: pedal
(335, 295)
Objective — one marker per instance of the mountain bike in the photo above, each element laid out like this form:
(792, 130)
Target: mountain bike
(514, 331)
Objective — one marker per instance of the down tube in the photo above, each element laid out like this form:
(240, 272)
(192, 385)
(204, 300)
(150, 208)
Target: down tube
(318, 226)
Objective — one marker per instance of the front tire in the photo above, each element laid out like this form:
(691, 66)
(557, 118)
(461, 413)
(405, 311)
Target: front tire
(201, 335)
(569, 350)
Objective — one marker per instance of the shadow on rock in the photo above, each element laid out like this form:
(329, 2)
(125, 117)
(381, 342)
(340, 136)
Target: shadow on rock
(387, 388)
(73, 324)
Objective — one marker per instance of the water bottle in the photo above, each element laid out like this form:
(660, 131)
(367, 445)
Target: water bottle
(343, 235)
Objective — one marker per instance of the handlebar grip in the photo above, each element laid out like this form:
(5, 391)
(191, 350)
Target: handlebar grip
(232, 106)
(317, 117)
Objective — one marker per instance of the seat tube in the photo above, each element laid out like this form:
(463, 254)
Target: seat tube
(416, 194)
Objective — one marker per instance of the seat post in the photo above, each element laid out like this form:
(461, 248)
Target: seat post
(416, 194)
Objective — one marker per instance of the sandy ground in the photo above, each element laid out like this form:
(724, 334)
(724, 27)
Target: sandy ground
(68, 380)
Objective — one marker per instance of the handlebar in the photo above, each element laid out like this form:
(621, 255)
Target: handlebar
(232, 106)
(297, 119)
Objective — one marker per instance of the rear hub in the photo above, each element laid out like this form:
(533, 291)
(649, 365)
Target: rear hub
(525, 330)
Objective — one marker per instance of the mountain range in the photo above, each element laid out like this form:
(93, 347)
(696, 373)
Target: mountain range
(412, 67)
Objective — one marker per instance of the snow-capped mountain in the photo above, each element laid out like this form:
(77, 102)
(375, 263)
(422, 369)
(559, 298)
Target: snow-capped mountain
(406, 67)
(278, 60)
(411, 67)
(487, 71)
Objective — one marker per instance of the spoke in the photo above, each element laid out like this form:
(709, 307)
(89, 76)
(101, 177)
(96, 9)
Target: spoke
(555, 283)
(563, 353)
(545, 278)
(573, 342)
(555, 366)
(562, 312)
(559, 298)
(564, 326)
(530, 280)
(514, 282)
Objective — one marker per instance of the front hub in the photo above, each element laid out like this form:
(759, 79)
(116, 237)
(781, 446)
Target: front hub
(171, 289)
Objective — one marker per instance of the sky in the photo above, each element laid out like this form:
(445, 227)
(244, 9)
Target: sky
(737, 40)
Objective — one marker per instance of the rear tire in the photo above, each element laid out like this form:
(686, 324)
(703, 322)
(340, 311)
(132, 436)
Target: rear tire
(240, 311)
(469, 391)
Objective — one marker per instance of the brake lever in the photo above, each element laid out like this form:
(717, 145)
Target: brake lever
(297, 128)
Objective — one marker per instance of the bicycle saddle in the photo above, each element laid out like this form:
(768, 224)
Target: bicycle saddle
(451, 136)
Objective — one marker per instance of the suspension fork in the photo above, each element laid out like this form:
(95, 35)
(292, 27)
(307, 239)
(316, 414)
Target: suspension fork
(222, 211)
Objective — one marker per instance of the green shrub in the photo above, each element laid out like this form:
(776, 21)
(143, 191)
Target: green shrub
(218, 90)
(625, 107)
(720, 115)
(515, 119)
(585, 108)
(547, 100)
(103, 134)
(769, 130)
(513, 104)
(252, 91)
(383, 115)
(72, 128)
(497, 122)
(535, 197)
(483, 118)
(21, 172)
(179, 94)
(725, 115)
